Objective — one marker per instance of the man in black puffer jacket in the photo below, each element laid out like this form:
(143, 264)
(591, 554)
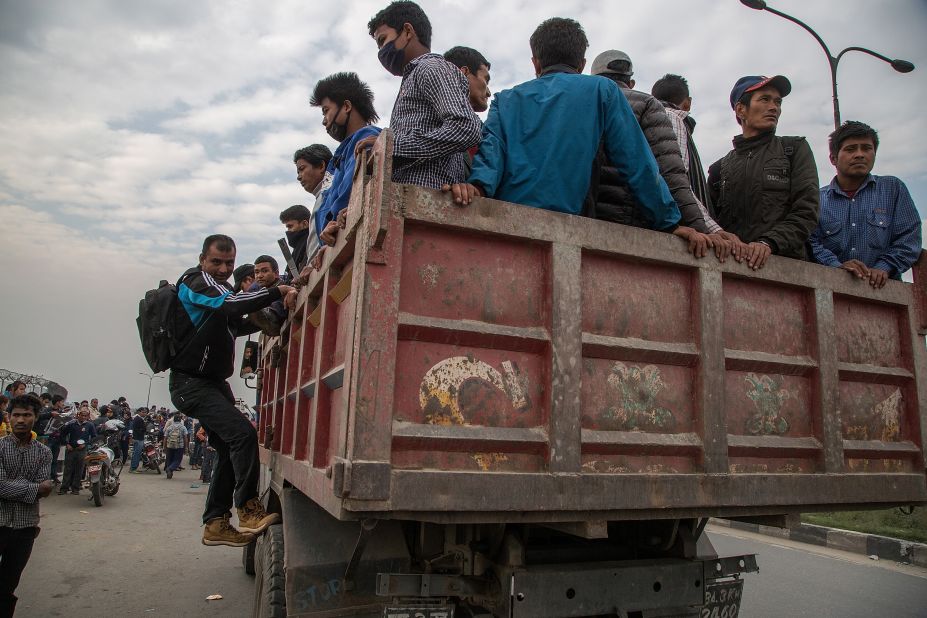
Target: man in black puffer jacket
(614, 201)
(766, 189)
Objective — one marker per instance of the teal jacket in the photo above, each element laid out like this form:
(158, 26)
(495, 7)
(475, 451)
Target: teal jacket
(541, 138)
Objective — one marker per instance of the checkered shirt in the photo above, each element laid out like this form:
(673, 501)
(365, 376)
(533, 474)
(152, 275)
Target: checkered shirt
(433, 124)
(22, 468)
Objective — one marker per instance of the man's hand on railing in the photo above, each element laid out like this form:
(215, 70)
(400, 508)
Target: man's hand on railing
(856, 268)
(463, 193)
(877, 278)
(699, 243)
(759, 252)
(330, 233)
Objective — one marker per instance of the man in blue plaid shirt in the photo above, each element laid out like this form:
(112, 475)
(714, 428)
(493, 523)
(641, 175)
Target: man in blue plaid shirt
(432, 122)
(869, 225)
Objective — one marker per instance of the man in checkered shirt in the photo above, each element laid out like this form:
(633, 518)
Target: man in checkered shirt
(25, 464)
(432, 122)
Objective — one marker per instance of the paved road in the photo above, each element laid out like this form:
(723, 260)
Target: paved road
(139, 555)
(804, 580)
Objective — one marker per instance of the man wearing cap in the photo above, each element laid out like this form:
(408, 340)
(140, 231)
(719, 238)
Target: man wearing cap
(766, 189)
(869, 224)
(614, 202)
(244, 277)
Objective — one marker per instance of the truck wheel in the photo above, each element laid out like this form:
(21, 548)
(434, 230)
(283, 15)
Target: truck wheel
(247, 557)
(270, 578)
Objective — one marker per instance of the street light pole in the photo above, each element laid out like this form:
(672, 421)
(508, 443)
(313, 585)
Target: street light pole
(150, 377)
(902, 66)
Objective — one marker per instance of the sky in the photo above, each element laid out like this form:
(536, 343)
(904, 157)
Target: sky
(130, 130)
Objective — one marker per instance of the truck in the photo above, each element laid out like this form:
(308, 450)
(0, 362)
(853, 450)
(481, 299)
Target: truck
(501, 411)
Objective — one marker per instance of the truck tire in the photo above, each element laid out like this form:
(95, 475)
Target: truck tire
(270, 577)
(247, 557)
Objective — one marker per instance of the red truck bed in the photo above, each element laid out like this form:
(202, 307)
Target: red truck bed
(503, 363)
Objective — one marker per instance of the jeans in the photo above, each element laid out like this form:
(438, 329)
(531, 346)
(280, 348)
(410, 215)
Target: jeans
(173, 459)
(15, 549)
(235, 475)
(137, 447)
(196, 456)
(73, 469)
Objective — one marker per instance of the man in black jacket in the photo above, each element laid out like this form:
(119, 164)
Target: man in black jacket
(212, 317)
(766, 189)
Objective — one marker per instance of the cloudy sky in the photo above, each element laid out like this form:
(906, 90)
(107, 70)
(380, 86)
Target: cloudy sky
(129, 130)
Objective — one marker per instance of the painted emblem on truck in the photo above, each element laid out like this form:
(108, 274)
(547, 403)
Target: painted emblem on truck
(637, 406)
(768, 396)
(441, 388)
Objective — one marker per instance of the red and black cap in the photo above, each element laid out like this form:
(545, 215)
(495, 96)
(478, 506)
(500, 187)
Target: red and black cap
(755, 82)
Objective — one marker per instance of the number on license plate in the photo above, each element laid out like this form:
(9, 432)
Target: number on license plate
(419, 612)
(94, 468)
(722, 599)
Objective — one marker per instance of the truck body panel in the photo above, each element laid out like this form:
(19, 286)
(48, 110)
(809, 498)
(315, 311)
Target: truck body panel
(500, 363)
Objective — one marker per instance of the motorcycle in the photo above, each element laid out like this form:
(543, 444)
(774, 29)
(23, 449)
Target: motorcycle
(152, 455)
(101, 472)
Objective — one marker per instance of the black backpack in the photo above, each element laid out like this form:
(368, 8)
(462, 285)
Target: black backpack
(157, 326)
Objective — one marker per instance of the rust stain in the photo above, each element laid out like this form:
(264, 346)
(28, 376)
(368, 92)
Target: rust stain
(883, 422)
(768, 396)
(486, 460)
(430, 273)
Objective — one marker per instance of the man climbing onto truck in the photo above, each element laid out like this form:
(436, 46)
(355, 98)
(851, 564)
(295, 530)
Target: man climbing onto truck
(209, 319)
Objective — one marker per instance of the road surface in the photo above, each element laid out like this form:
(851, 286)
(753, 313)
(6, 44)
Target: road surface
(796, 580)
(139, 555)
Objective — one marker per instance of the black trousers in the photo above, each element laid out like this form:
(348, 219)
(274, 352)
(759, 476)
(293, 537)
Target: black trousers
(235, 475)
(73, 469)
(15, 549)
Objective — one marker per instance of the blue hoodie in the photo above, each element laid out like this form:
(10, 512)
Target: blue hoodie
(341, 167)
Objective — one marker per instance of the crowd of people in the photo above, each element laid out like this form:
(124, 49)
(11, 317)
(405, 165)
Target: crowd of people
(588, 145)
(763, 198)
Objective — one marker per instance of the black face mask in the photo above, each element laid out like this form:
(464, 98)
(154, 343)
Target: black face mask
(392, 58)
(338, 131)
(293, 238)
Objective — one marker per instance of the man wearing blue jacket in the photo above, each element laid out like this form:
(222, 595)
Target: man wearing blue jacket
(210, 319)
(348, 115)
(541, 137)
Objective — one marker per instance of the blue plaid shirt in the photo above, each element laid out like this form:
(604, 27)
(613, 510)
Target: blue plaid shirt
(878, 226)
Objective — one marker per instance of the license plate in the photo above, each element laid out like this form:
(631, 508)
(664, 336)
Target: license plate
(722, 599)
(92, 469)
(432, 611)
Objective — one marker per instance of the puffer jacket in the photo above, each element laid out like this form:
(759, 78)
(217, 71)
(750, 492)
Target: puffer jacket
(615, 202)
(766, 189)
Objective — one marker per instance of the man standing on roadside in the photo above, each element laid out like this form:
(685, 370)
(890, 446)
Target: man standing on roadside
(869, 224)
(212, 317)
(176, 439)
(139, 429)
(765, 190)
(76, 436)
(25, 465)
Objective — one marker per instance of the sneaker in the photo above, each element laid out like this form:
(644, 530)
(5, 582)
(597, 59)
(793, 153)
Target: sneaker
(219, 531)
(170, 474)
(253, 518)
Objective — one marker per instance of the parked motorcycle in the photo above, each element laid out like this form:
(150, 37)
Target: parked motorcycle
(101, 472)
(152, 455)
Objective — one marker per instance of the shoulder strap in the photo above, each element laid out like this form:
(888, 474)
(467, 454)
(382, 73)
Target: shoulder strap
(789, 144)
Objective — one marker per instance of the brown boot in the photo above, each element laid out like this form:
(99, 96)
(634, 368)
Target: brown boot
(219, 531)
(254, 519)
